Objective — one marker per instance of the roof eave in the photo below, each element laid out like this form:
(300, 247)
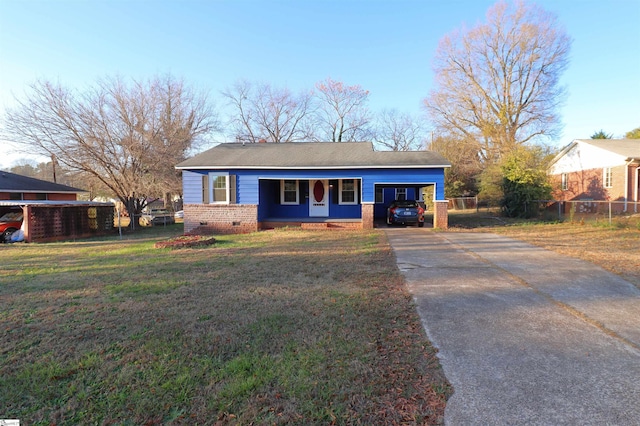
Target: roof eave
(413, 166)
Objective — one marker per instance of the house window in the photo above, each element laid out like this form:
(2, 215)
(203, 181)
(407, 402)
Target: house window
(565, 185)
(289, 192)
(15, 196)
(215, 189)
(41, 196)
(220, 189)
(347, 191)
(379, 194)
(606, 179)
(401, 193)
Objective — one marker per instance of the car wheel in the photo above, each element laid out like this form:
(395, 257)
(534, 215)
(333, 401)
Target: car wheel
(421, 224)
(388, 221)
(6, 235)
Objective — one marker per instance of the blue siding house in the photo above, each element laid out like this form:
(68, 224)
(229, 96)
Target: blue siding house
(237, 187)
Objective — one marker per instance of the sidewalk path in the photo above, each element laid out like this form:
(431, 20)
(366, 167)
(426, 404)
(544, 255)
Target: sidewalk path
(525, 336)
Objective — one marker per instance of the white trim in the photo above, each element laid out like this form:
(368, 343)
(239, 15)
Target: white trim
(606, 184)
(424, 166)
(289, 203)
(211, 178)
(305, 177)
(397, 190)
(355, 193)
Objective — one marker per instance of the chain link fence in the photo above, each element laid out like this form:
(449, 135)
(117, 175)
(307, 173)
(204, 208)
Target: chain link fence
(625, 212)
(586, 211)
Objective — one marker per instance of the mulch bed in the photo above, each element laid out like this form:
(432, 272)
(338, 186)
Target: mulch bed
(185, 241)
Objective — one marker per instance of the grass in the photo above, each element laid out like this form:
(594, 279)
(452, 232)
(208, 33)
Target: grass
(614, 247)
(278, 327)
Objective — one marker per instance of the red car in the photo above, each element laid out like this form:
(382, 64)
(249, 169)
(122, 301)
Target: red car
(10, 222)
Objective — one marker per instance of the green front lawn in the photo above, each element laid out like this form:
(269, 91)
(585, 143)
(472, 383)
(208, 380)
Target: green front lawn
(278, 327)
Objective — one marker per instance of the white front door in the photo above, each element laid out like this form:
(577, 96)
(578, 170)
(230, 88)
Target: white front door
(318, 198)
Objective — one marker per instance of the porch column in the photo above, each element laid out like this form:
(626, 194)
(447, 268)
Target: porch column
(26, 223)
(367, 215)
(440, 214)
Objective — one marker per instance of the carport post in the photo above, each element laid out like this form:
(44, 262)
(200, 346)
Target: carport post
(440, 214)
(26, 223)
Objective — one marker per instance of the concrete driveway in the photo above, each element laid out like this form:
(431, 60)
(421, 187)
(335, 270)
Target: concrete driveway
(525, 335)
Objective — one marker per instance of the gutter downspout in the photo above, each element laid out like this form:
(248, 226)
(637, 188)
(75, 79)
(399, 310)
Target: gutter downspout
(626, 184)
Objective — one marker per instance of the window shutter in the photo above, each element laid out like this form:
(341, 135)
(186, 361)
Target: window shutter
(232, 189)
(205, 189)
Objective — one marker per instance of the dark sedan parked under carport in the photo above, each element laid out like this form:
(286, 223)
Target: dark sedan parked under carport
(405, 212)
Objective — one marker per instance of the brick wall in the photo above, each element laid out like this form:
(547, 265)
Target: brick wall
(54, 223)
(367, 216)
(440, 214)
(588, 184)
(220, 219)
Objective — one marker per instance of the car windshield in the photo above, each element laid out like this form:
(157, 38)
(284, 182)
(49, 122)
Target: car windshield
(406, 204)
(11, 217)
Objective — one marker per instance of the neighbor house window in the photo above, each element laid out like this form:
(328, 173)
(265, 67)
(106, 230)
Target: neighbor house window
(401, 193)
(347, 191)
(565, 185)
(379, 195)
(289, 192)
(606, 179)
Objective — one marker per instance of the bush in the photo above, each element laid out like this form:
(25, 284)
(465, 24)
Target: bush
(524, 180)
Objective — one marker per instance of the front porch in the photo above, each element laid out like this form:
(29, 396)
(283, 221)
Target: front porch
(310, 223)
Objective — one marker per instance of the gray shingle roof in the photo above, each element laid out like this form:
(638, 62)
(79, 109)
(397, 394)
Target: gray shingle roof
(336, 155)
(11, 182)
(629, 148)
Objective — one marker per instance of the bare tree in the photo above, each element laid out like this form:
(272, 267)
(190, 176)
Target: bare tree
(264, 112)
(341, 113)
(398, 131)
(127, 136)
(466, 165)
(499, 81)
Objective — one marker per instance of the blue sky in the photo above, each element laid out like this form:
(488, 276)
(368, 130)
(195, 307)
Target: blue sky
(384, 46)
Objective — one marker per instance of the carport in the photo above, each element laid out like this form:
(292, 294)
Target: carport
(45, 221)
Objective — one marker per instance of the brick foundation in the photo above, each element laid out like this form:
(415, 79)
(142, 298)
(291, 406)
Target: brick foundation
(440, 214)
(311, 225)
(220, 219)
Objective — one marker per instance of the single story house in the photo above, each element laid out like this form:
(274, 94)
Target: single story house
(18, 187)
(599, 170)
(237, 188)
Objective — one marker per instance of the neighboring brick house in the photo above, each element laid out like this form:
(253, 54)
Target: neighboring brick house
(597, 169)
(49, 211)
(238, 188)
(20, 188)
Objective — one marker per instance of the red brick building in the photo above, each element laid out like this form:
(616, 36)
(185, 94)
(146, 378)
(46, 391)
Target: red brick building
(47, 211)
(20, 188)
(598, 169)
